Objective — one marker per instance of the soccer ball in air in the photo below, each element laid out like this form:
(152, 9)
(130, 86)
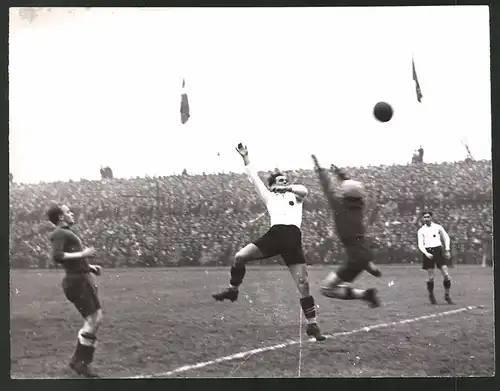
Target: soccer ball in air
(383, 111)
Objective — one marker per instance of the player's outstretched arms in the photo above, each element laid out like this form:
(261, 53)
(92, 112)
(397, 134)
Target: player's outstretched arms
(326, 184)
(300, 191)
(324, 179)
(263, 191)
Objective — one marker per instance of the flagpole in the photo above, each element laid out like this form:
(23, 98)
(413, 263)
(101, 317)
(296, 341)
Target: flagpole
(414, 110)
(418, 116)
(419, 108)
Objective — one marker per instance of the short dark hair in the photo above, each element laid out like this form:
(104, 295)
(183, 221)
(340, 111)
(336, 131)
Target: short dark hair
(54, 213)
(426, 212)
(272, 178)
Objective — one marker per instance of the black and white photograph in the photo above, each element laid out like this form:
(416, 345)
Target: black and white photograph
(250, 193)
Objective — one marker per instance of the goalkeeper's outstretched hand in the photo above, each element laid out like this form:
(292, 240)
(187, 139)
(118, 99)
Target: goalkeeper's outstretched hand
(316, 163)
(242, 150)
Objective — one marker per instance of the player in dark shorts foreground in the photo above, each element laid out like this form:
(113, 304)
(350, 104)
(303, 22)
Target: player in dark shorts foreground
(284, 203)
(78, 285)
(347, 204)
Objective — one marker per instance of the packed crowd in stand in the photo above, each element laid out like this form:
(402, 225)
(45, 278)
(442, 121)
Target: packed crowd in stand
(205, 219)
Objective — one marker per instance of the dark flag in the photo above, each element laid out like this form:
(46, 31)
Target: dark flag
(417, 84)
(184, 104)
(106, 173)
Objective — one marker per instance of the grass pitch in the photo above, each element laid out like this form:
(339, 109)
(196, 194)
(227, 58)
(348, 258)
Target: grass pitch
(157, 320)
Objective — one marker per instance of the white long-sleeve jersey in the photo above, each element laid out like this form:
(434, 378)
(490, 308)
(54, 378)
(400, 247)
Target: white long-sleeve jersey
(283, 208)
(432, 236)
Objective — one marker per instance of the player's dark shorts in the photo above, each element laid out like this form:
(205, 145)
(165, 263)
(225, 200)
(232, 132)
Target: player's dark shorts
(358, 257)
(284, 240)
(82, 292)
(438, 260)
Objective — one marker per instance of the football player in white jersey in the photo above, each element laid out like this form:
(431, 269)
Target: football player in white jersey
(434, 243)
(284, 203)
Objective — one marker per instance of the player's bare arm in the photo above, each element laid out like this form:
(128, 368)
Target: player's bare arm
(252, 174)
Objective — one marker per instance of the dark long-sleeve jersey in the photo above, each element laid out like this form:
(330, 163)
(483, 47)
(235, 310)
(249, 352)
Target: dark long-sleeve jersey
(347, 212)
(64, 240)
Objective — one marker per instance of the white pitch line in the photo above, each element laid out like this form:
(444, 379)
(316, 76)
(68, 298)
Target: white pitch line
(264, 349)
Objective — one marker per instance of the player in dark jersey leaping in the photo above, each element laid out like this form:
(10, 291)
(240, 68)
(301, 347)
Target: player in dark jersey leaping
(78, 285)
(347, 204)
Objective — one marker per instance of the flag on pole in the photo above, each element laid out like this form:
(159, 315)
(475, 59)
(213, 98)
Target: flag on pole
(184, 104)
(417, 84)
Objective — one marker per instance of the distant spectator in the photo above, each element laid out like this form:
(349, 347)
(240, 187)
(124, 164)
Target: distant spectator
(420, 155)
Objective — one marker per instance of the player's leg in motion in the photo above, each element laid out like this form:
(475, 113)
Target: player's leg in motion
(429, 264)
(299, 273)
(247, 254)
(484, 260)
(430, 286)
(336, 287)
(446, 283)
(373, 269)
(85, 348)
(335, 284)
(84, 296)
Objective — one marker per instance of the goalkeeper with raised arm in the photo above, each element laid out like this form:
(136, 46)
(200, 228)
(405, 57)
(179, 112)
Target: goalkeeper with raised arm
(347, 201)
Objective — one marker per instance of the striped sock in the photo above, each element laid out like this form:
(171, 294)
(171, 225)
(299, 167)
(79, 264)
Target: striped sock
(309, 308)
